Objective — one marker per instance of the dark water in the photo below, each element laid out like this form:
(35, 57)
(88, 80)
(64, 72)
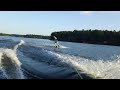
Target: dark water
(41, 60)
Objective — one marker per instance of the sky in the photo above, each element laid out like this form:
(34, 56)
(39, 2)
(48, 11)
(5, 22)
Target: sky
(46, 22)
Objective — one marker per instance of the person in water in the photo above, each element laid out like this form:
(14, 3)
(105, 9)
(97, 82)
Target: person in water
(56, 42)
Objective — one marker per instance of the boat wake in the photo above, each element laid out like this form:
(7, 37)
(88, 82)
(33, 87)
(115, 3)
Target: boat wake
(95, 69)
(10, 64)
(47, 63)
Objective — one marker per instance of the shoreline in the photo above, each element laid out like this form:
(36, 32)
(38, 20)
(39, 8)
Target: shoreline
(70, 41)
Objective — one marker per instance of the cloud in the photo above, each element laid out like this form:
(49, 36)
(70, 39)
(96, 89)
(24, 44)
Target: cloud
(108, 11)
(87, 12)
(92, 12)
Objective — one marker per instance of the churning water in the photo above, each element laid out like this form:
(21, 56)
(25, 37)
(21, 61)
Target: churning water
(38, 58)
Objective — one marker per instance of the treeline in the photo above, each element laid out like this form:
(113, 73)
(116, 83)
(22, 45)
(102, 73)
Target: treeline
(26, 36)
(89, 36)
(36, 36)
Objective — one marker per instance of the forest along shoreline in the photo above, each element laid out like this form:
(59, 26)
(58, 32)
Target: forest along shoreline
(100, 37)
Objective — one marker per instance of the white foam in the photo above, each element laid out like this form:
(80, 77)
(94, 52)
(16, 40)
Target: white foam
(10, 64)
(16, 46)
(99, 69)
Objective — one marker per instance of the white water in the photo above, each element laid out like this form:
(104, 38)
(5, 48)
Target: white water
(105, 69)
(98, 69)
(10, 64)
(45, 45)
(16, 46)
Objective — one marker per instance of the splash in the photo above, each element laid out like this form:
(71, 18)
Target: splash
(10, 64)
(16, 46)
(43, 44)
(97, 69)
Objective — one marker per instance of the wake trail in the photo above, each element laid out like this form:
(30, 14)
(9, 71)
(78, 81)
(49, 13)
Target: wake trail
(10, 64)
(95, 69)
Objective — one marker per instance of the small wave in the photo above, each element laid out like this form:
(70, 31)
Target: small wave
(44, 71)
(43, 45)
(96, 69)
(16, 46)
(10, 64)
